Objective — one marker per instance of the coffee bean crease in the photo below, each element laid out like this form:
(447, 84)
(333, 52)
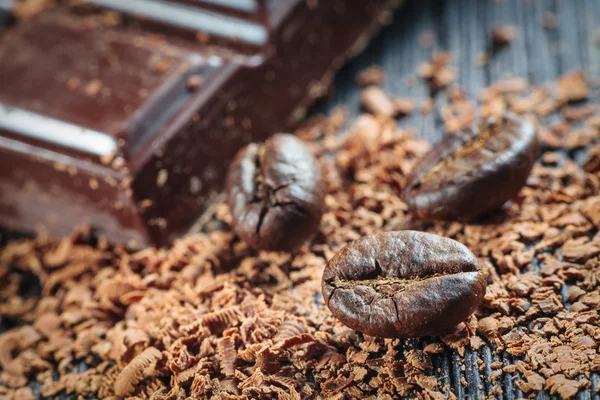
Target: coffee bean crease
(403, 284)
(463, 151)
(276, 193)
(474, 171)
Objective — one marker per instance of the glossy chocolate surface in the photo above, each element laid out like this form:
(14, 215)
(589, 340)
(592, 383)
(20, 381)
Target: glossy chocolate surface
(112, 84)
(132, 132)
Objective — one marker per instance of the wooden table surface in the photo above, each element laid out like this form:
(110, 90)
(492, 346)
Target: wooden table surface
(462, 28)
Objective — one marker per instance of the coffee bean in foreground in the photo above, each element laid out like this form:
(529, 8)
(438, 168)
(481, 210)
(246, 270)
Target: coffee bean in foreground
(473, 171)
(276, 193)
(403, 284)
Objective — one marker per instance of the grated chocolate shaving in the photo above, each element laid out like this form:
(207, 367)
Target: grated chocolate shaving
(503, 35)
(437, 71)
(373, 75)
(136, 371)
(210, 318)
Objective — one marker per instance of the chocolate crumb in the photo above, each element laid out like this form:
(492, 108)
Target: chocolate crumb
(374, 100)
(194, 82)
(373, 75)
(427, 39)
(162, 177)
(503, 35)
(549, 20)
(572, 86)
(437, 71)
(404, 106)
(73, 83)
(93, 87)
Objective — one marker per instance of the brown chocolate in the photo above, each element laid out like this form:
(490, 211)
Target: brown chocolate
(276, 335)
(208, 317)
(131, 133)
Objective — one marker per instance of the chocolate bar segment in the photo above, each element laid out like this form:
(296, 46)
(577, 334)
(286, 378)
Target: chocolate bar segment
(67, 137)
(132, 133)
(93, 88)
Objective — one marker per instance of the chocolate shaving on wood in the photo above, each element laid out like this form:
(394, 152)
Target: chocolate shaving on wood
(572, 86)
(227, 355)
(373, 75)
(437, 71)
(375, 101)
(503, 35)
(137, 370)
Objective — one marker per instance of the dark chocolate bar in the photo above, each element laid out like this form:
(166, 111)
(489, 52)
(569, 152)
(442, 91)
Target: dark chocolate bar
(131, 132)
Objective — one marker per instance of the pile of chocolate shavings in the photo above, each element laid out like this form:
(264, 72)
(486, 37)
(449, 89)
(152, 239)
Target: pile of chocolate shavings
(210, 318)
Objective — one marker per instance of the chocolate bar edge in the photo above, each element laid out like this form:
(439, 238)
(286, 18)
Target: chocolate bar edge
(148, 224)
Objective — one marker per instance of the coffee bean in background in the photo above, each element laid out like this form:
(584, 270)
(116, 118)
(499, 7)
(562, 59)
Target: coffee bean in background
(474, 171)
(276, 193)
(403, 284)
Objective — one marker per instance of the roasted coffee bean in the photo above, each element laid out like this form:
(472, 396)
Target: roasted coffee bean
(276, 193)
(403, 284)
(473, 171)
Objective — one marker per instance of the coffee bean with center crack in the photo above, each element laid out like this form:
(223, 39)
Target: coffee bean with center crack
(473, 171)
(276, 193)
(403, 284)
